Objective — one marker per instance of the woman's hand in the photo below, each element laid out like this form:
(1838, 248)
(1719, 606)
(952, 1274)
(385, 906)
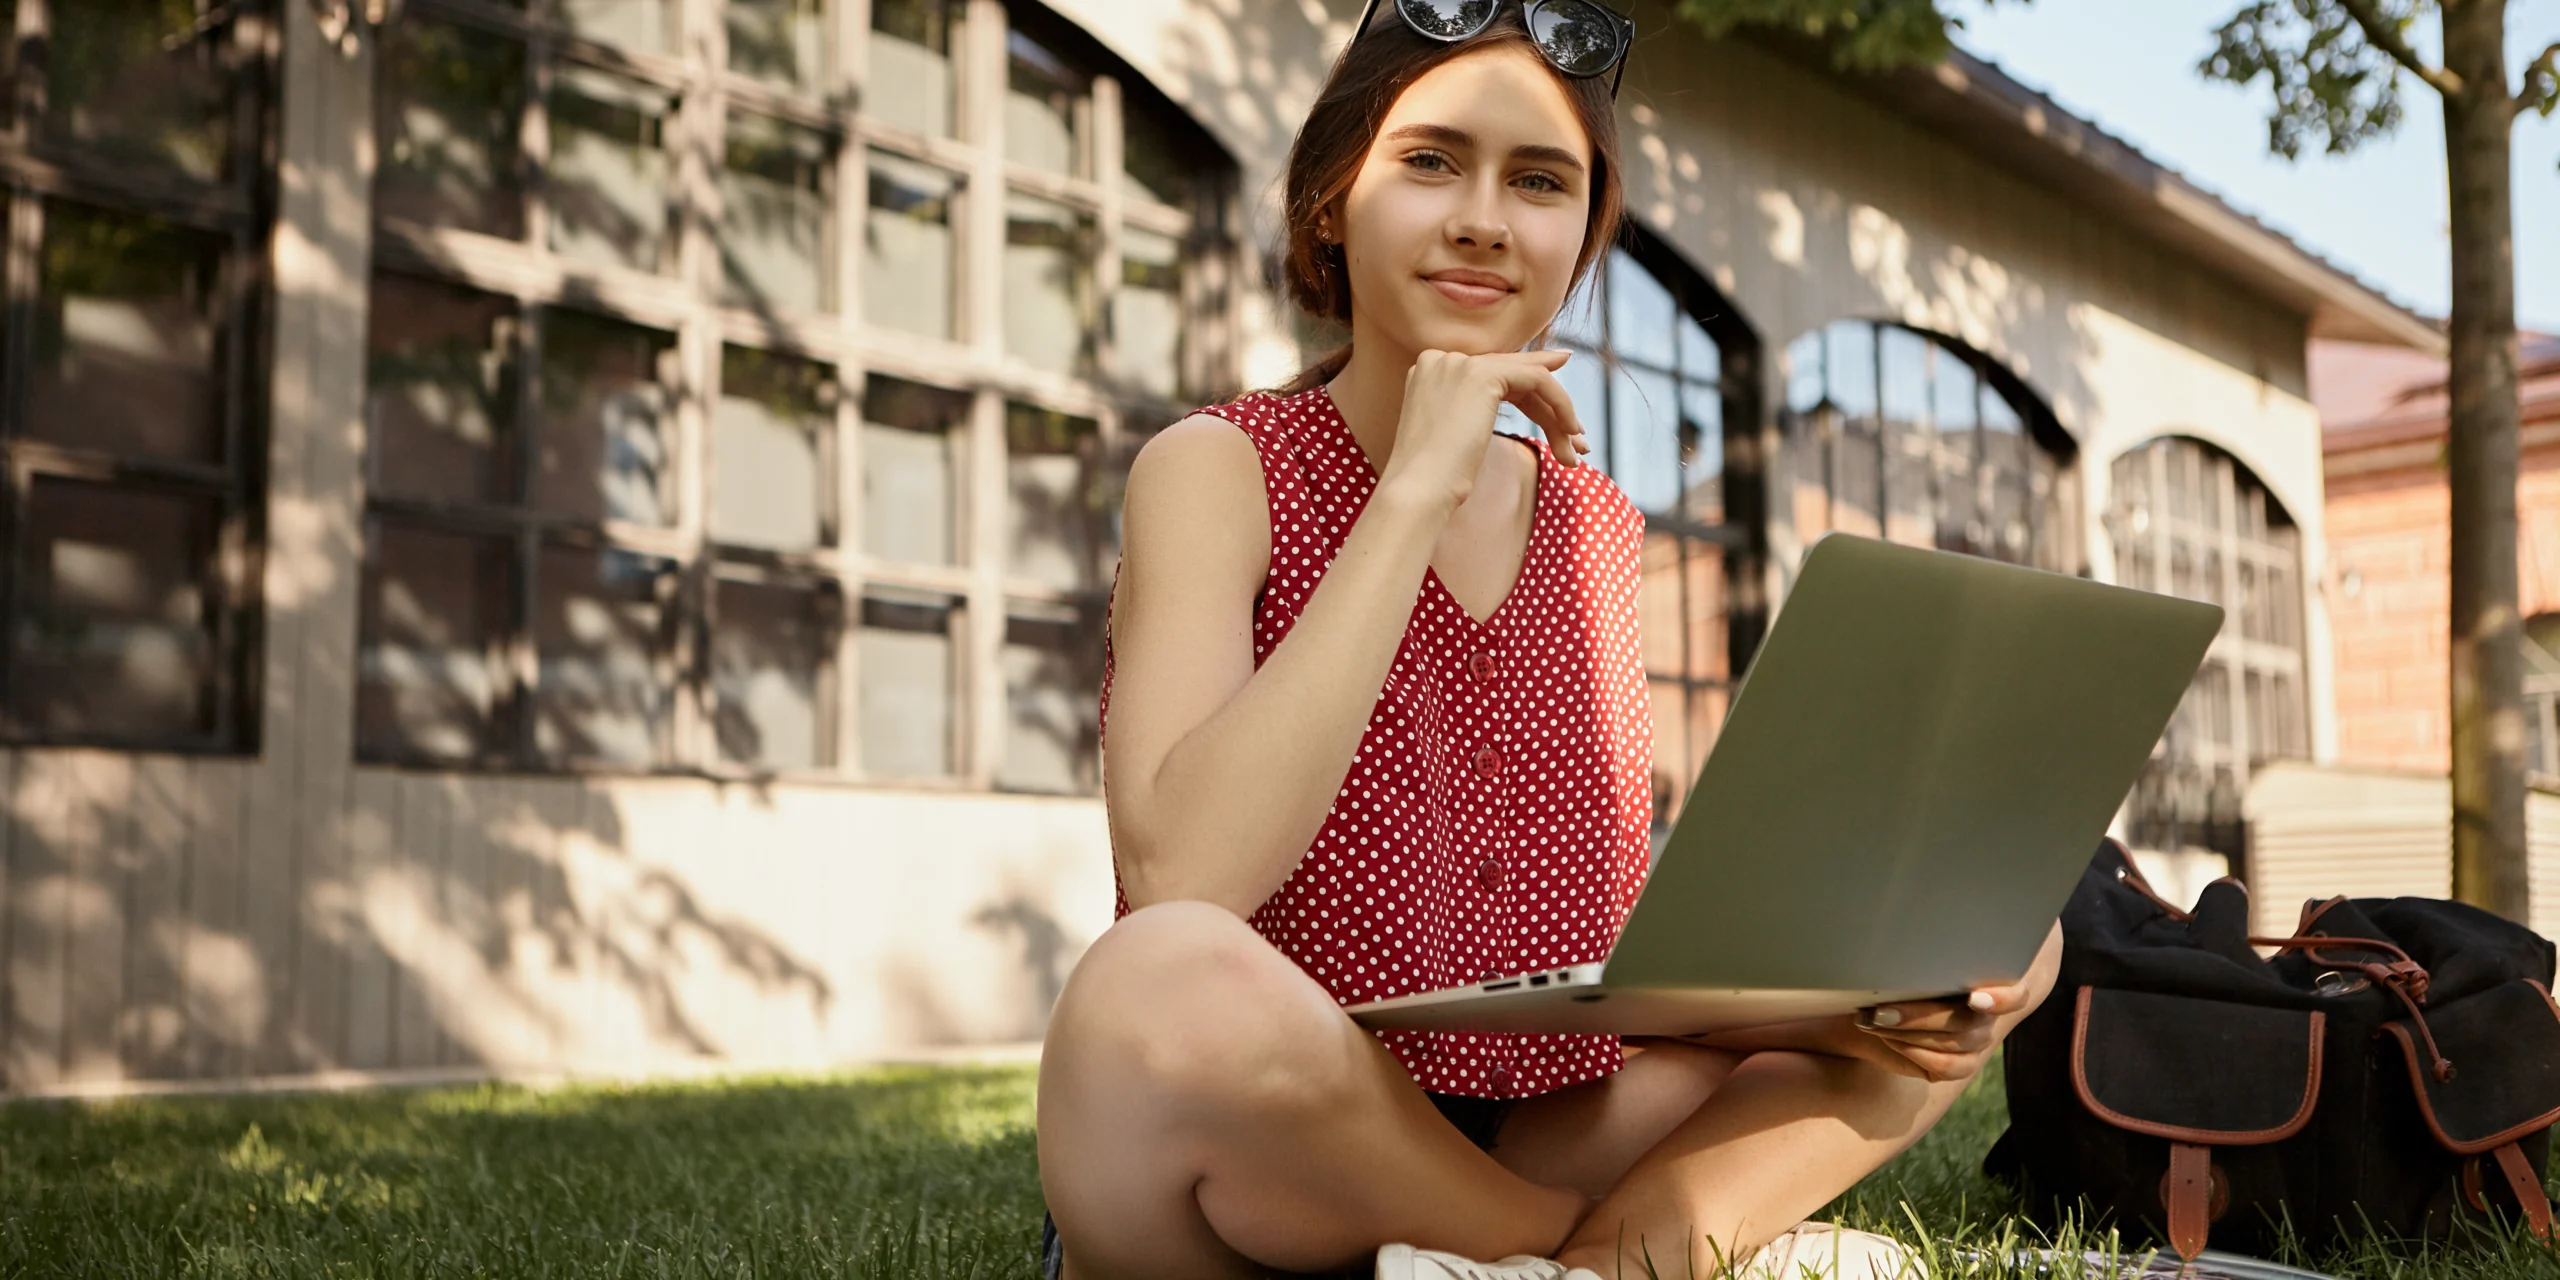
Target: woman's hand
(1940, 1042)
(1449, 405)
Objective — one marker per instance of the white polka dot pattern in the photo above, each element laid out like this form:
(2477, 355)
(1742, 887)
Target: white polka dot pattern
(1494, 820)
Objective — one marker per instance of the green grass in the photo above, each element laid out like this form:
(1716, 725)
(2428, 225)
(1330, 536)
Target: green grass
(892, 1173)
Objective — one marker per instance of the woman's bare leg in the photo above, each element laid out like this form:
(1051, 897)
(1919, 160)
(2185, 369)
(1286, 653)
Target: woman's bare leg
(1206, 1109)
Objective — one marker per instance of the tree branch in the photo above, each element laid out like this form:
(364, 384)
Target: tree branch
(2541, 81)
(2388, 39)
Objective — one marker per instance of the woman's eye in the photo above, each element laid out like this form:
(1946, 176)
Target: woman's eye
(1552, 184)
(1420, 156)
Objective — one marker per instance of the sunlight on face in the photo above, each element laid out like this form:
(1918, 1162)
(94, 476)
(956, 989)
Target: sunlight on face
(1482, 165)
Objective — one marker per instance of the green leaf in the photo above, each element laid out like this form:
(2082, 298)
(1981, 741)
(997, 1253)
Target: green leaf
(2329, 85)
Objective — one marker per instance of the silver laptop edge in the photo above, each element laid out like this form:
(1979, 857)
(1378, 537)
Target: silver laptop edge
(1993, 718)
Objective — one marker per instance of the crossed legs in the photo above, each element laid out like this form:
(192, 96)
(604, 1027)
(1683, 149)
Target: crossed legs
(1206, 1109)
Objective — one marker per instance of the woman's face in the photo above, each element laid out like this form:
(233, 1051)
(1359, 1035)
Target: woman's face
(1481, 166)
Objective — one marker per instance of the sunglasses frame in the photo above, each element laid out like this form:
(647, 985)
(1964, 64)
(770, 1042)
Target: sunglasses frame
(1624, 25)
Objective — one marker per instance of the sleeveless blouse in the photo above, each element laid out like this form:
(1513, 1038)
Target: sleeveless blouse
(1495, 819)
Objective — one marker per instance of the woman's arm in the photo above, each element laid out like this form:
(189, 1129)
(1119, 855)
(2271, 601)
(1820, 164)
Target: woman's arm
(1217, 775)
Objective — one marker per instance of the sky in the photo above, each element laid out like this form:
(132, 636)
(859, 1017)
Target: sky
(2379, 213)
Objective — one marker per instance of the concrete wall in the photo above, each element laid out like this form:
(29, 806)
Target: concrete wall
(219, 919)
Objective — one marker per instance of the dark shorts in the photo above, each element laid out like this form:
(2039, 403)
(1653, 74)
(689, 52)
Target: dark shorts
(1480, 1119)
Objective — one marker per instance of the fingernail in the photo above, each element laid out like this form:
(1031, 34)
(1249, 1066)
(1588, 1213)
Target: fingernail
(1981, 1001)
(1888, 1017)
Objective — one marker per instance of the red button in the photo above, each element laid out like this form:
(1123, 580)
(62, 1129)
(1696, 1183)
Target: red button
(1489, 874)
(1488, 763)
(1499, 1078)
(1481, 665)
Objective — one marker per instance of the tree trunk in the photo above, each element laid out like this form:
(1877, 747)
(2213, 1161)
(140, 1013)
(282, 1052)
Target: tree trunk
(2487, 660)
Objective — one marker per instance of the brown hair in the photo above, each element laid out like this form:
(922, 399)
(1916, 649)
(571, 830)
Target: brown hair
(1330, 147)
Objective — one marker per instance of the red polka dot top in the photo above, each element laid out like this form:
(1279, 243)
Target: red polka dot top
(1495, 818)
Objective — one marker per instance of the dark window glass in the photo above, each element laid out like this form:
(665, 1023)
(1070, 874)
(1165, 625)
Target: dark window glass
(606, 683)
(432, 681)
(115, 635)
(447, 126)
(142, 80)
(601, 448)
(1052, 678)
(1054, 502)
(1047, 106)
(910, 81)
(908, 685)
(1146, 313)
(1048, 284)
(909, 275)
(769, 451)
(912, 438)
(771, 651)
(1152, 156)
(781, 42)
(440, 399)
(609, 171)
(774, 216)
(128, 352)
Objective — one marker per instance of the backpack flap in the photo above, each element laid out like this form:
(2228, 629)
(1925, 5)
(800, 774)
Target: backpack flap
(2207, 1072)
(2486, 1071)
(2201, 1074)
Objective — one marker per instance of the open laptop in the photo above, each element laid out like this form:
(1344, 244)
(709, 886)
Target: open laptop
(1916, 770)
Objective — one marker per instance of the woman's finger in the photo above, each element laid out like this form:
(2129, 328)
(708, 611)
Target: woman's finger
(1544, 401)
(1968, 1040)
(1917, 1015)
(2000, 1001)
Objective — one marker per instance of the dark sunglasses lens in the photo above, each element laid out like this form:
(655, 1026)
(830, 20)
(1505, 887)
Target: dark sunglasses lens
(1578, 35)
(1447, 19)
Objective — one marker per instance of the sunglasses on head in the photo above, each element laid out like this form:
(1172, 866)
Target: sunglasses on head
(1580, 38)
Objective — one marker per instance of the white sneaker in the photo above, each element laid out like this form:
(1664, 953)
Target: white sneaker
(1821, 1251)
(1404, 1262)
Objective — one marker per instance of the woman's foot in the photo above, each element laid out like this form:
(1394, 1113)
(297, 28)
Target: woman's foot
(1404, 1262)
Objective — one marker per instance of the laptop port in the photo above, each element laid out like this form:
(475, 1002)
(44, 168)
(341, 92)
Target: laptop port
(1502, 986)
(1537, 979)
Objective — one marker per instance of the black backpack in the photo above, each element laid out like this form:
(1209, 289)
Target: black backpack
(2394, 1068)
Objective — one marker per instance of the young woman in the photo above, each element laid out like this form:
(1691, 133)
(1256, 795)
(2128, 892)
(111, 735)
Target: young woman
(1381, 727)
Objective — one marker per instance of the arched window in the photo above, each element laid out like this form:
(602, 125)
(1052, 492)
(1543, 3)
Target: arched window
(2189, 520)
(1662, 364)
(1902, 434)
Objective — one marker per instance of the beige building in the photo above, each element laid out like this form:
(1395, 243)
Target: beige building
(567, 535)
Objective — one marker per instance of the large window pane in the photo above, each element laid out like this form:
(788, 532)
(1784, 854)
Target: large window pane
(1700, 357)
(1907, 443)
(1644, 438)
(1146, 312)
(646, 25)
(907, 687)
(601, 448)
(1641, 312)
(1052, 677)
(432, 678)
(609, 170)
(1048, 103)
(907, 265)
(446, 128)
(127, 352)
(1048, 284)
(440, 391)
(770, 653)
(911, 449)
(773, 216)
(781, 42)
(1053, 506)
(114, 631)
(605, 684)
(1953, 396)
(143, 80)
(768, 450)
(910, 81)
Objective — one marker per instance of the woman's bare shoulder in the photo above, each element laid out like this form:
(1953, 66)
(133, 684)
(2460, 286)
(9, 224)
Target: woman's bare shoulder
(1195, 483)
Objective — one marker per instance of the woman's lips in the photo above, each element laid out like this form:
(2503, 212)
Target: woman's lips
(1467, 295)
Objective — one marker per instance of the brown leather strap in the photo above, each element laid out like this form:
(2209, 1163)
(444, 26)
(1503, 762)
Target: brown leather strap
(2187, 1192)
(2527, 1185)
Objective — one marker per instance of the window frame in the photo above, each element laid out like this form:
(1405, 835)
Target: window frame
(691, 301)
(237, 208)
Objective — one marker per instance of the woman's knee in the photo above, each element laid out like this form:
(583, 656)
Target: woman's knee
(1187, 998)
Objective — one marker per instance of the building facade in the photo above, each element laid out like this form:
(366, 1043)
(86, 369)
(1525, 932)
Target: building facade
(570, 535)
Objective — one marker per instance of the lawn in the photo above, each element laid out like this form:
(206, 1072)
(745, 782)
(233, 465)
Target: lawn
(907, 1172)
